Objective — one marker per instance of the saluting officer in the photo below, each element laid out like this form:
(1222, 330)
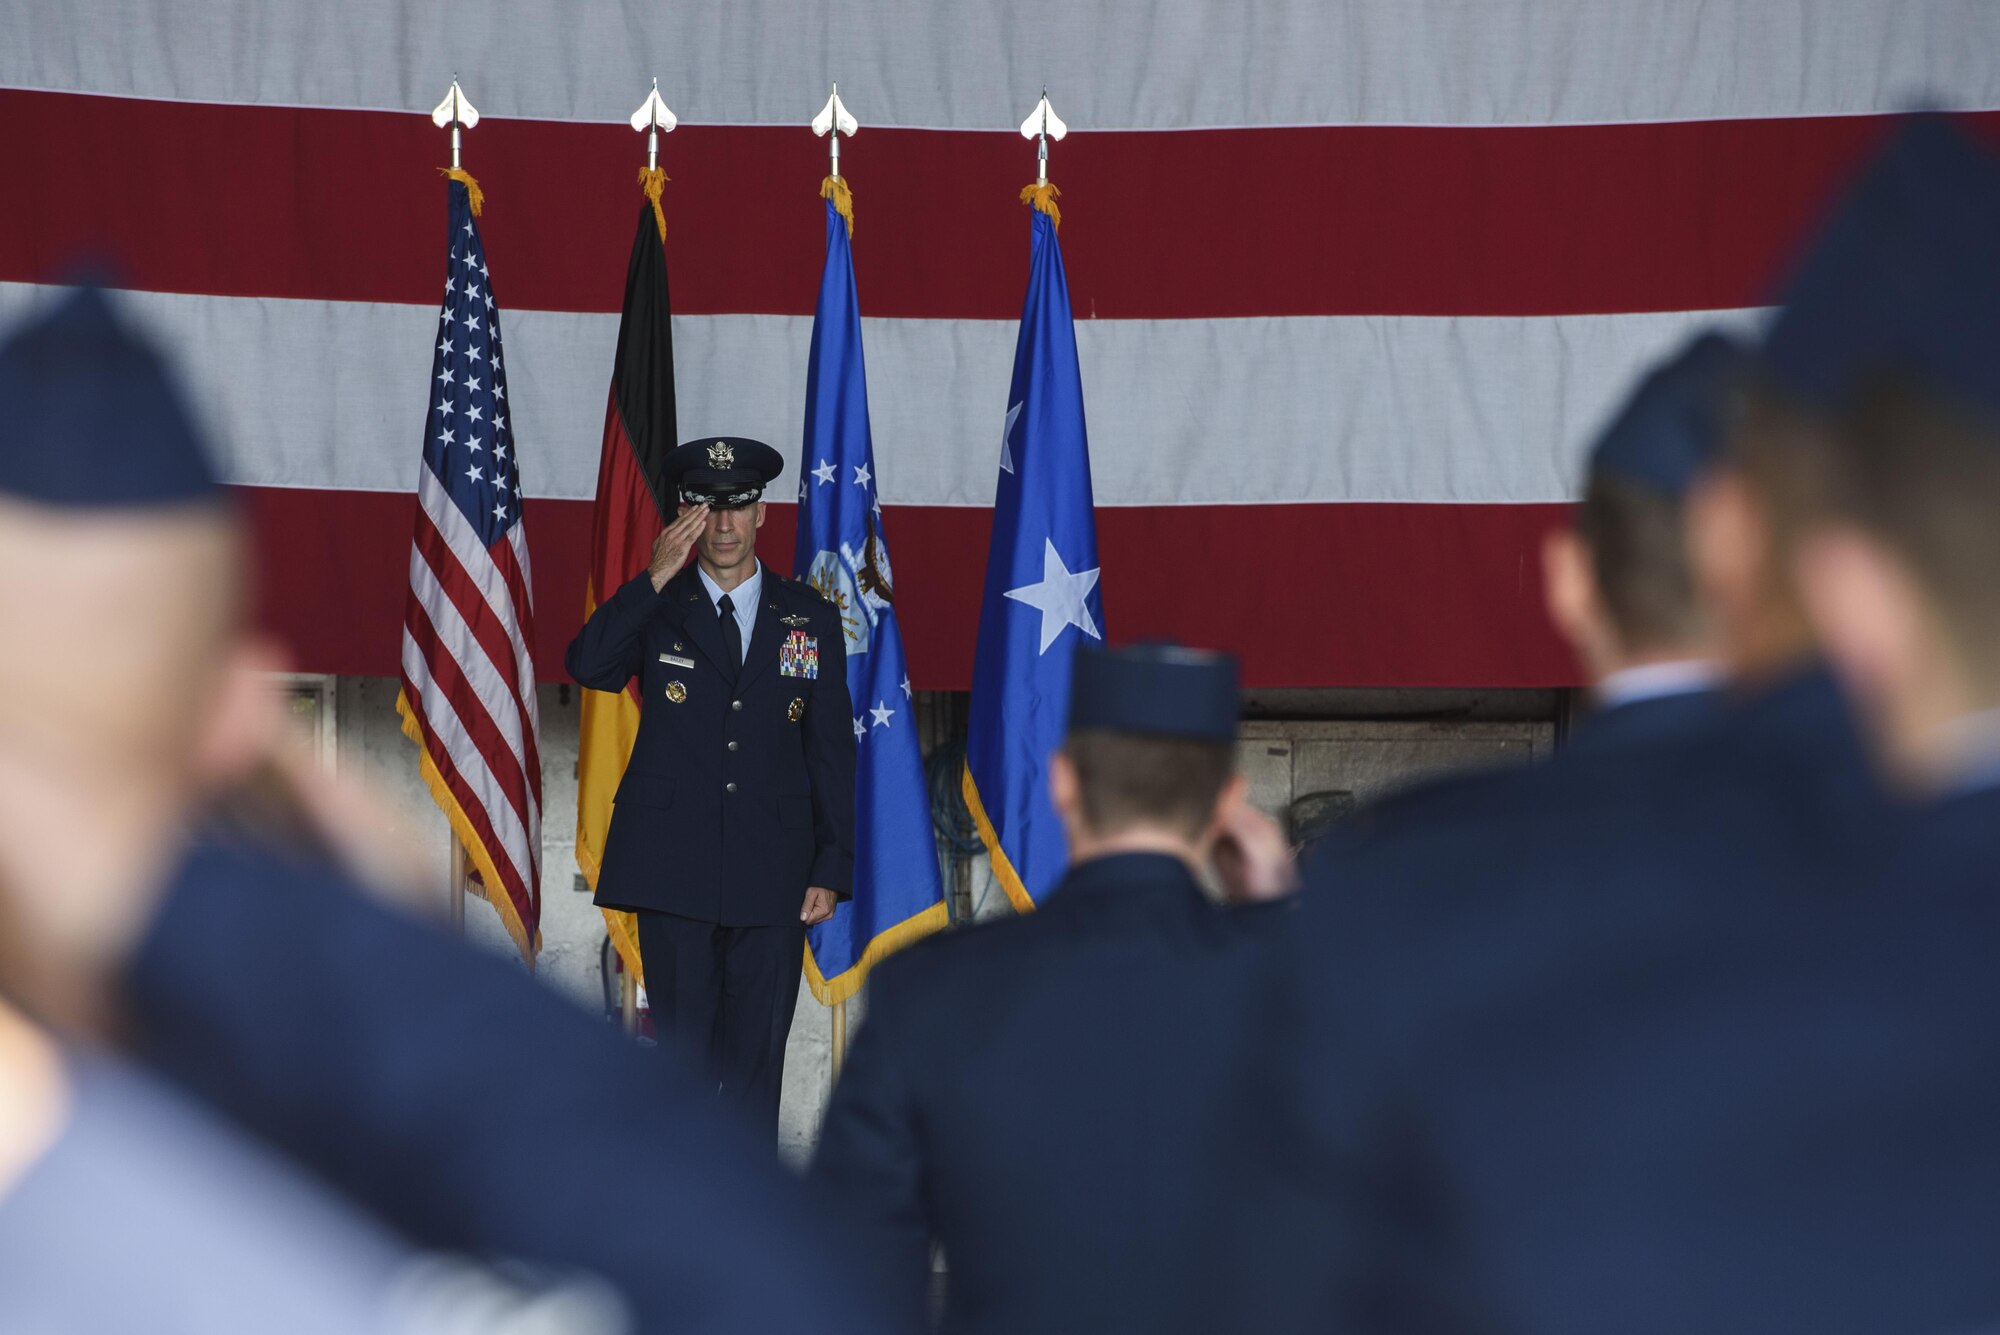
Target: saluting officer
(733, 829)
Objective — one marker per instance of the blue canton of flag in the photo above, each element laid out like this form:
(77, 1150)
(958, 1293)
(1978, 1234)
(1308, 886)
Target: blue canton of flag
(1041, 595)
(468, 697)
(898, 890)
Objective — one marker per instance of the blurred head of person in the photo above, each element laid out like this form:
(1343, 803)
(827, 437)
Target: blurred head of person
(1619, 583)
(129, 687)
(1149, 760)
(1889, 344)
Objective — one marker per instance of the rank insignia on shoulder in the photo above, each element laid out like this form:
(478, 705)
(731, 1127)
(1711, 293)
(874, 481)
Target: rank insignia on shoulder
(796, 620)
(798, 656)
(676, 692)
(796, 710)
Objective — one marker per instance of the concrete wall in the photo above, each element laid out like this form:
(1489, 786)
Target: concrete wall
(1284, 759)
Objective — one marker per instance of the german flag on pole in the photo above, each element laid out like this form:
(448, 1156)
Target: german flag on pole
(629, 513)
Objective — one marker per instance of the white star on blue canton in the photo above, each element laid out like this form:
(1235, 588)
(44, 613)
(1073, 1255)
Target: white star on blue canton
(472, 322)
(444, 346)
(473, 412)
(824, 472)
(499, 388)
(448, 316)
(906, 688)
(1061, 597)
(475, 353)
(447, 438)
(882, 714)
(468, 227)
(861, 475)
(482, 268)
(500, 449)
(474, 473)
(444, 406)
(444, 376)
(500, 511)
(499, 419)
(860, 730)
(448, 284)
(489, 298)
(472, 382)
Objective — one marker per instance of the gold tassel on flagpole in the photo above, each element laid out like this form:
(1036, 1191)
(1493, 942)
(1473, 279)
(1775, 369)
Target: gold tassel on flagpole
(653, 180)
(835, 189)
(472, 189)
(1043, 197)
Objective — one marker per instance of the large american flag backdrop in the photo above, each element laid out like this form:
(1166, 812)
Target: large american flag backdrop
(1353, 281)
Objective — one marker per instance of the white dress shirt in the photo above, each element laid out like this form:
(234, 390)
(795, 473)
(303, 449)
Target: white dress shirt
(743, 598)
(1654, 681)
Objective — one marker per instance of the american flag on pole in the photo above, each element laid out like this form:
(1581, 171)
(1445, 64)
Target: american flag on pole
(468, 697)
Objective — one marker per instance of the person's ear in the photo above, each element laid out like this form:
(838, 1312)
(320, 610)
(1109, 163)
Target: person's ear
(1569, 587)
(760, 514)
(1235, 795)
(1728, 539)
(1873, 622)
(244, 717)
(1065, 788)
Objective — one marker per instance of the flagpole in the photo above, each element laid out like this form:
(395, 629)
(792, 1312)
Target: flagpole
(457, 886)
(839, 1038)
(456, 112)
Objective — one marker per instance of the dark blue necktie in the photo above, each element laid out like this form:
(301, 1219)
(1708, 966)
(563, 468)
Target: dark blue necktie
(732, 635)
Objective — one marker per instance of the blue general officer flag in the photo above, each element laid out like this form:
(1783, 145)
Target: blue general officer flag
(898, 890)
(1041, 598)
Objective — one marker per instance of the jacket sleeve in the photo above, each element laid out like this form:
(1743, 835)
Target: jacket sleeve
(870, 1162)
(830, 760)
(475, 1111)
(611, 648)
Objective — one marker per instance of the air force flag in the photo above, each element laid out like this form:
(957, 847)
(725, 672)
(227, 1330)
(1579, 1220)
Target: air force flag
(898, 891)
(1041, 596)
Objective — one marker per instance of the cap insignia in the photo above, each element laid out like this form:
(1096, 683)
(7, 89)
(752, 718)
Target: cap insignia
(721, 455)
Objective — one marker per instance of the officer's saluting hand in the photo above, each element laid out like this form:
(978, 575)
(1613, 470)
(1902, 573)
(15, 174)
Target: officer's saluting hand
(733, 828)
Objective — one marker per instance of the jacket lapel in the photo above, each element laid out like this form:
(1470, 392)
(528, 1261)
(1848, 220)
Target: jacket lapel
(764, 636)
(697, 620)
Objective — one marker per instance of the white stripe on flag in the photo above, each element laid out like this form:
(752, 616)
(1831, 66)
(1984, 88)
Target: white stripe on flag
(471, 765)
(938, 66)
(1321, 409)
(465, 547)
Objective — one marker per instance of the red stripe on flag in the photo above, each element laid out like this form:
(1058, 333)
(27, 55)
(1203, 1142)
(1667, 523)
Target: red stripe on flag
(1307, 595)
(450, 679)
(341, 205)
(492, 635)
(475, 812)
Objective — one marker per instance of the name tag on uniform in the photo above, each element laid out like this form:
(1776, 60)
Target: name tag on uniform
(673, 661)
(798, 656)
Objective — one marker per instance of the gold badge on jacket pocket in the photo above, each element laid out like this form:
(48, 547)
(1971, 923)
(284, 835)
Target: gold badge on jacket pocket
(676, 692)
(796, 710)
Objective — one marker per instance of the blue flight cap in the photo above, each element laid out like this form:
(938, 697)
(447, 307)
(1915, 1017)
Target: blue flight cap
(90, 418)
(1905, 277)
(726, 472)
(1672, 425)
(1157, 690)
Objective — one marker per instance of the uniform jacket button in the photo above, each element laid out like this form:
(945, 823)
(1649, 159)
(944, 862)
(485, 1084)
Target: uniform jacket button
(728, 787)
(732, 746)
(736, 704)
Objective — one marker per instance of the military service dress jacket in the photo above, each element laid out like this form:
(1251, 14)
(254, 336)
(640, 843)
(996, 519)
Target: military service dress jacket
(1056, 1145)
(740, 791)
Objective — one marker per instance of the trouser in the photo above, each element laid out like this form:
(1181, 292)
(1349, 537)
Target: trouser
(725, 996)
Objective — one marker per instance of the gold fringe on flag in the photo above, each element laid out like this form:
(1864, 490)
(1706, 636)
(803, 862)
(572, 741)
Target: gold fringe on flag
(464, 178)
(653, 180)
(835, 189)
(1043, 197)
